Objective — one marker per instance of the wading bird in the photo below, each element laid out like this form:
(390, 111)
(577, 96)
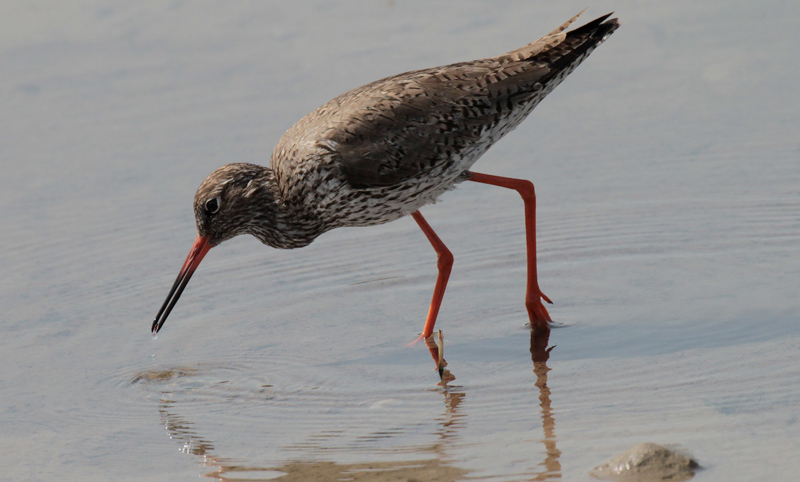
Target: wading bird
(386, 149)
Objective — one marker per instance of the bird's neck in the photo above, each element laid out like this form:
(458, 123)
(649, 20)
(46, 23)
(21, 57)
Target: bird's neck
(279, 222)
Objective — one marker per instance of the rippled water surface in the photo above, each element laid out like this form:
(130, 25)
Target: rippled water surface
(667, 170)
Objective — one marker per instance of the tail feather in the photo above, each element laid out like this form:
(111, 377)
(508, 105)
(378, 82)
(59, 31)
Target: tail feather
(557, 44)
(578, 44)
(566, 24)
(588, 27)
(561, 53)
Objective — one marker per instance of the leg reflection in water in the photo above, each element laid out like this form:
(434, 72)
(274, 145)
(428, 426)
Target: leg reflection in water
(540, 353)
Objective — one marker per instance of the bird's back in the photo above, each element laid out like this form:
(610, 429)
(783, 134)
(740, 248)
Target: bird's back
(399, 142)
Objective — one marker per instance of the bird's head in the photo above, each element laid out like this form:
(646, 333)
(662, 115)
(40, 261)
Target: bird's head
(231, 201)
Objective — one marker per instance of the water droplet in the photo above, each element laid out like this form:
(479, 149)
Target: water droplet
(155, 336)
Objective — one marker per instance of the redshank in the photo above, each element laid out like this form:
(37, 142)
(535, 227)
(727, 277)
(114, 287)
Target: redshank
(386, 149)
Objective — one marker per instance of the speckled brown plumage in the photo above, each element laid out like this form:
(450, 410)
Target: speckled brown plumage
(385, 149)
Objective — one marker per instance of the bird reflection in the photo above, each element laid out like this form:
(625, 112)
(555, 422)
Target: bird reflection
(540, 353)
(228, 469)
(181, 430)
(434, 460)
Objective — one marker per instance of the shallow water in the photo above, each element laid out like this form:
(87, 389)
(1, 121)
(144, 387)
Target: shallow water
(667, 171)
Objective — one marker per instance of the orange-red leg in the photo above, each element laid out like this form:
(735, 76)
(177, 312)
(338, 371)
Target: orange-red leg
(533, 297)
(445, 263)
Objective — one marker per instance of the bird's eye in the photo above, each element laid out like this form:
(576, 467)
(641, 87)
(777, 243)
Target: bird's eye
(212, 205)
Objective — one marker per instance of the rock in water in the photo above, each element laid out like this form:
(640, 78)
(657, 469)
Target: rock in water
(647, 462)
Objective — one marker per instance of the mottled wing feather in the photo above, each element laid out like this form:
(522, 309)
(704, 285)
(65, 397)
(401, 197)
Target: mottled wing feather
(393, 136)
(436, 116)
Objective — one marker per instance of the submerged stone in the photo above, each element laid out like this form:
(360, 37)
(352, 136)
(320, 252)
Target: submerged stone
(647, 462)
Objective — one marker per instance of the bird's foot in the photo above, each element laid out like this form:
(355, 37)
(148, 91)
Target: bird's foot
(537, 312)
(437, 352)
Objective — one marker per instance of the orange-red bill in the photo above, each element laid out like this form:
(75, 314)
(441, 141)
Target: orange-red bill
(198, 251)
